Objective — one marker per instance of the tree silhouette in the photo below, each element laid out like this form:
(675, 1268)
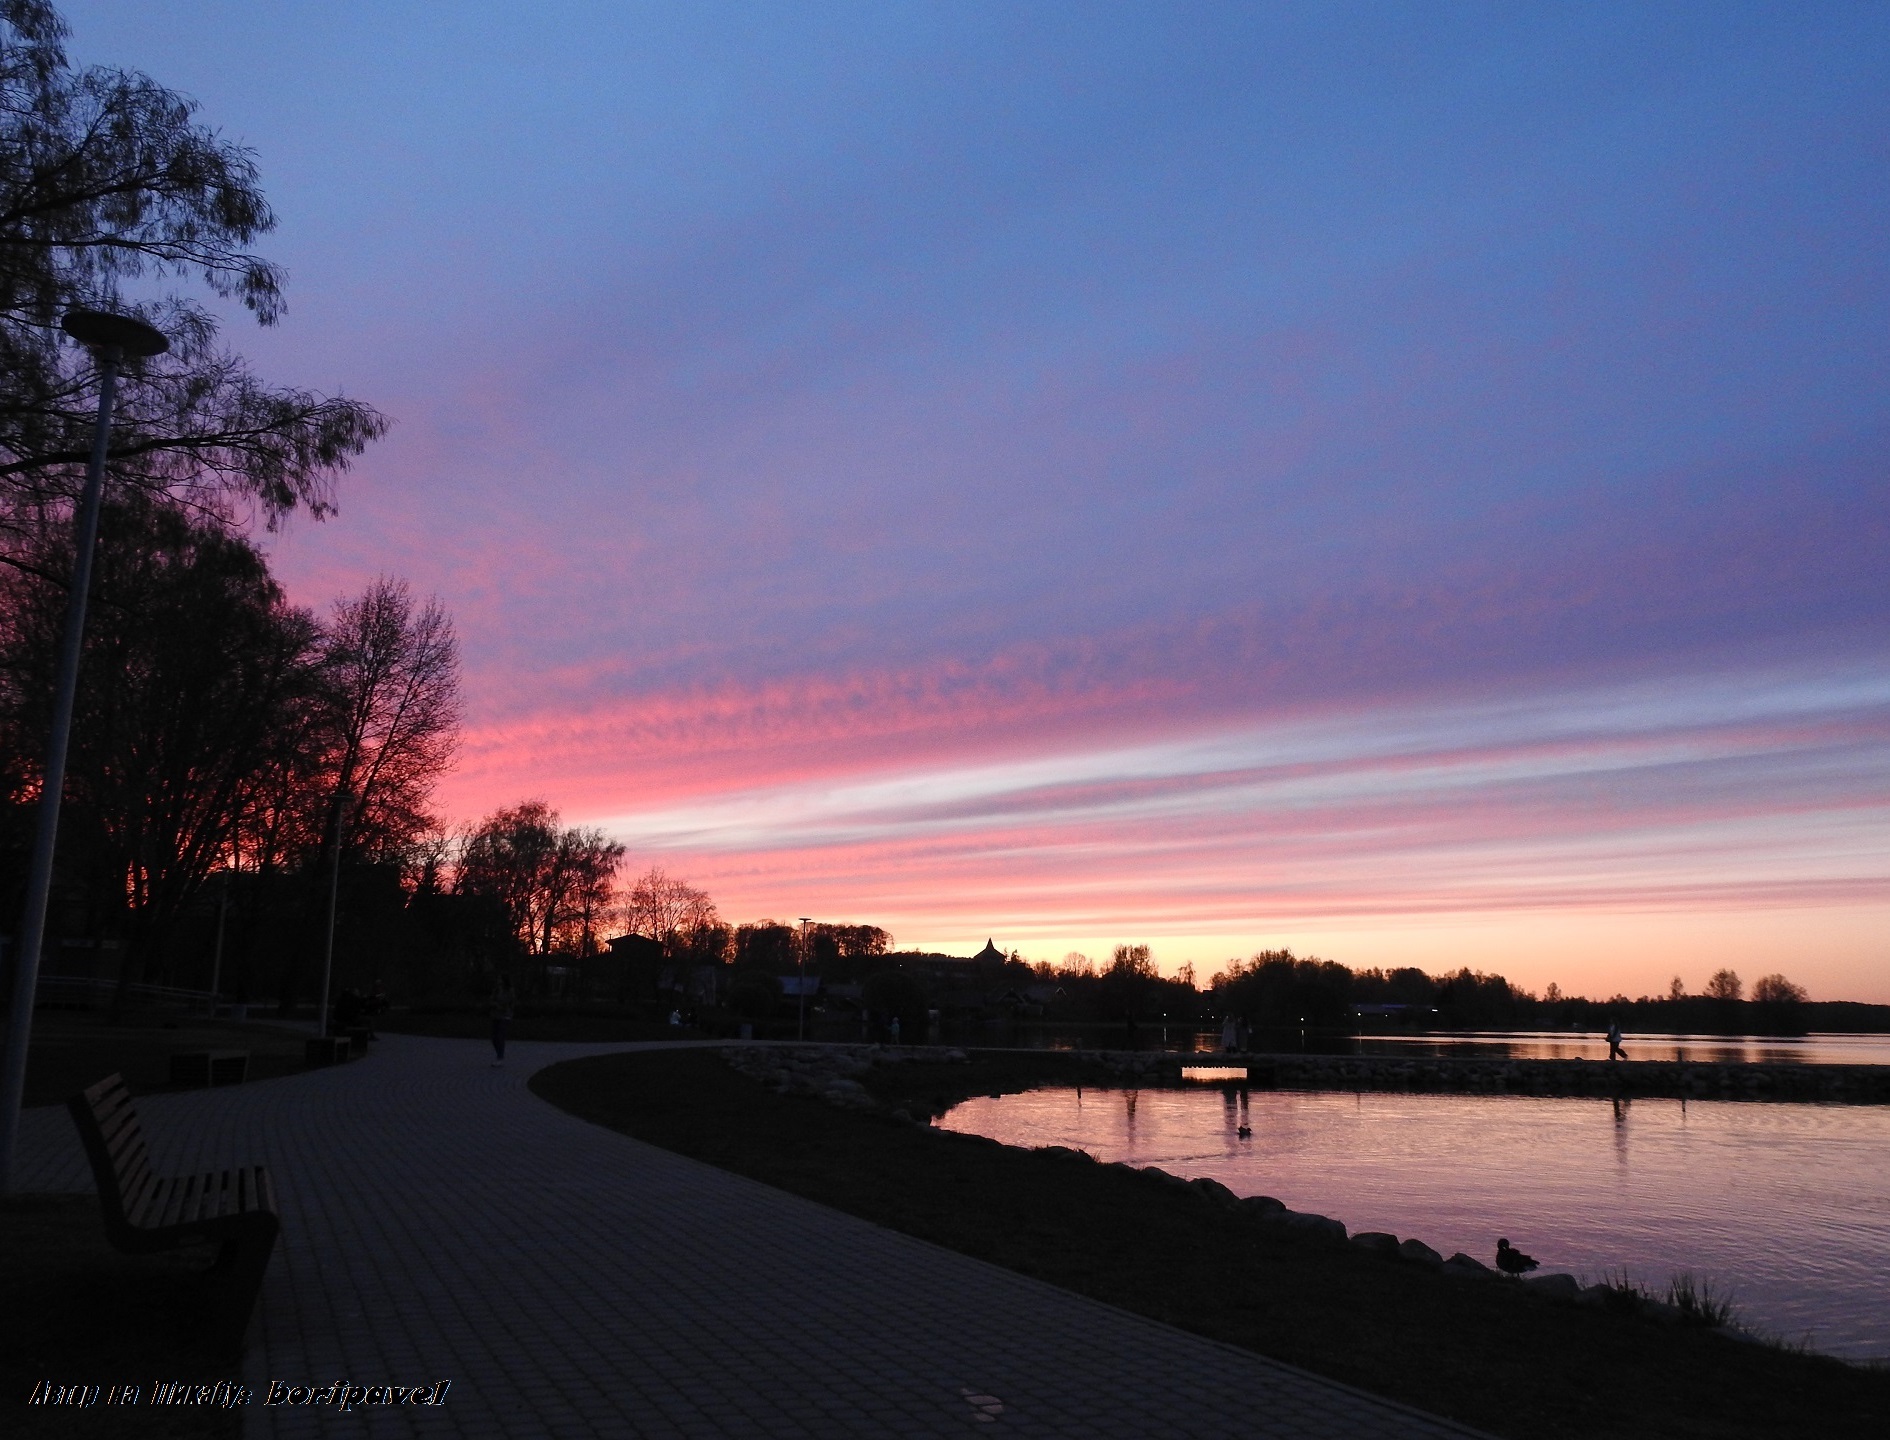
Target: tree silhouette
(107, 178)
(551, 880)
(196, 669)
(390, 677)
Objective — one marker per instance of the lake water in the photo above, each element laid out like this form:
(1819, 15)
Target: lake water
(1785, 1207)
(1823, 1049)
(1566, 1045)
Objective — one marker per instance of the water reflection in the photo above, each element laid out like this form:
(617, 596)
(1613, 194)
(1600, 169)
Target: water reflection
(1787, 1206)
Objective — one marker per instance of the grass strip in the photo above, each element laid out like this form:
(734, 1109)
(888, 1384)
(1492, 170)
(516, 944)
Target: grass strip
(1488, 1354)
(71, 1050)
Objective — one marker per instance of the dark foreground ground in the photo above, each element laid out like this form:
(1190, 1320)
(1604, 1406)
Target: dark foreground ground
(1486, 1353)
(73, 1310)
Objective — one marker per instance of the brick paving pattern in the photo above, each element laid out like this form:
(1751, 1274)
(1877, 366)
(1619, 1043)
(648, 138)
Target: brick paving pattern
(441, 1222)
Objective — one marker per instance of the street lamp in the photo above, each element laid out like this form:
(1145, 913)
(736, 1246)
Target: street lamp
(334, 893)
(803, 985)
(110, 338)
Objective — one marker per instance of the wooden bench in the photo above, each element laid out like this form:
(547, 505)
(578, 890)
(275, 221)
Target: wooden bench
(145, 1213)
(209, 1067)
(324, 1050)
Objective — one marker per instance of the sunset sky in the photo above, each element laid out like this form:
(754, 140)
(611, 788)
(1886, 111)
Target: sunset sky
(1407, 483)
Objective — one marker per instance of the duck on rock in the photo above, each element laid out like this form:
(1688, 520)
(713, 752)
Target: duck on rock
(1512, 1261)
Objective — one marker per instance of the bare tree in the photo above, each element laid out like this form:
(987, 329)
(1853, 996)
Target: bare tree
(383, 732)
(665, 909)
(505, 858)
(578, 885)
(392, 676)
(1724, 985)
(552, 880)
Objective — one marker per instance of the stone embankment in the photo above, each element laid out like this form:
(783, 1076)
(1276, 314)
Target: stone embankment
(1674, 1079)
(830, 1072)
(1686, 1307)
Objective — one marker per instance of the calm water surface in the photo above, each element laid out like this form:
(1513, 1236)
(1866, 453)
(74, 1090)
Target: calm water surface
(1787, 1207)
(1583, 1045)
(1825, 1049)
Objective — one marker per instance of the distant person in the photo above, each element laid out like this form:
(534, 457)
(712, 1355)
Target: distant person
(1230, 1035)
(347, 1009)
(1615, 1052)
(893, 1029)
(675, 1019)
(499, 1007)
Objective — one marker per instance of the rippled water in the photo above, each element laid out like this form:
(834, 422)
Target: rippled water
(1785, 1206)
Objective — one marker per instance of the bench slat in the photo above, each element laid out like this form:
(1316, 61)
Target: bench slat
(116, 1123)
(177, 1199)
(188, 1199)
(144, 1202)
(155, 1201)
(213, 1196)
(127, 1150)
(120, 1127)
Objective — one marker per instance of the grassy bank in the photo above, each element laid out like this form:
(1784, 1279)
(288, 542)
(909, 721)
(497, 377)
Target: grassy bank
(592, 1026)
(73, 1049)
(1488, 1354)
(76, 1311)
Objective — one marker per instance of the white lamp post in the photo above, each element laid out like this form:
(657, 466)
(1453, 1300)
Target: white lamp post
(334, 892)
(110, 338)
(803, 986)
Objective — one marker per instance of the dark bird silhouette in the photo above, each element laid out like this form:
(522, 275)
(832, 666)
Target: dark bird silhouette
(1512, 1261)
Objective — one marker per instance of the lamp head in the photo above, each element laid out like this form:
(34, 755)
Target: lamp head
(103, 330)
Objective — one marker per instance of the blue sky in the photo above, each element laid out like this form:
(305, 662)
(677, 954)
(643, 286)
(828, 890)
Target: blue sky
(801, 406)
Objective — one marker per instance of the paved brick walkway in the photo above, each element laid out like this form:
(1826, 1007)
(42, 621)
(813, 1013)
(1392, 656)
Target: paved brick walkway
(441, 1222)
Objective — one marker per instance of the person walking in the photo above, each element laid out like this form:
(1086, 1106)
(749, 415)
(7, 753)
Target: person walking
(1615, 1052)
(500, 1009)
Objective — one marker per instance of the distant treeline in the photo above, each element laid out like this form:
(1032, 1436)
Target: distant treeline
(1277, 989)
